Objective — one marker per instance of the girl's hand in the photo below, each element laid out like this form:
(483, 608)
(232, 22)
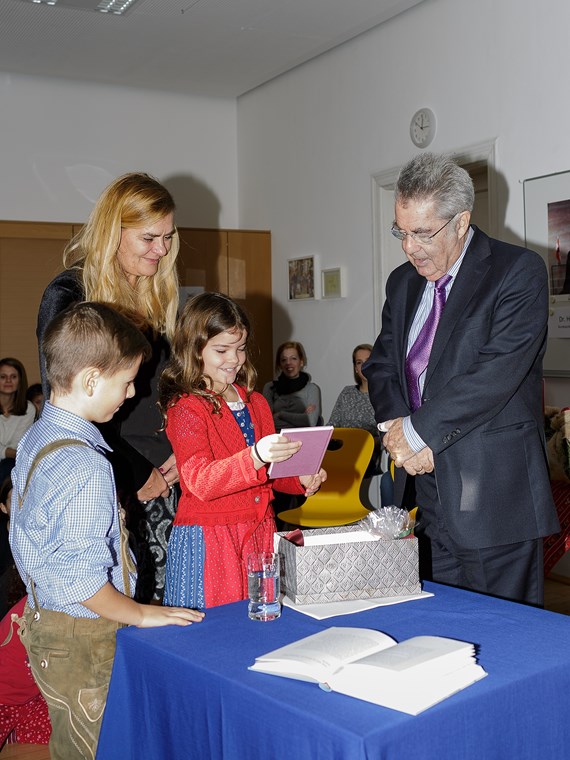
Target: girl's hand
(169, 471)
(312, 483)
(273, 448)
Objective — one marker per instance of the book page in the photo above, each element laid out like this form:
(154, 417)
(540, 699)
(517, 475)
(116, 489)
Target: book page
(318, 656)
(412, 675)
(406, 694)
(440, 654)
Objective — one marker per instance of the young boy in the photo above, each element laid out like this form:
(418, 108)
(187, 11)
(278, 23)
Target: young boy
(65, 531)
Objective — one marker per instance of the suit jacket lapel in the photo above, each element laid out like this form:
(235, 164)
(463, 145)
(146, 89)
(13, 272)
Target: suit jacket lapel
(465, 288)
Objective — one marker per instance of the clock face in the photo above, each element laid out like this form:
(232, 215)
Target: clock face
(422, 127)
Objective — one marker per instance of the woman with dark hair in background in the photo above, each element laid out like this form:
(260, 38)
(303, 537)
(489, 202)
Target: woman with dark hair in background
(16, 412)
(352, 407)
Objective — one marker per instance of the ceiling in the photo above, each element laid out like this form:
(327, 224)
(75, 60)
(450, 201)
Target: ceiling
(201, 47)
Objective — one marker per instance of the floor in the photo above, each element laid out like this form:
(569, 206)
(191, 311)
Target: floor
(556, 599)
(557, 595)
(25, 752)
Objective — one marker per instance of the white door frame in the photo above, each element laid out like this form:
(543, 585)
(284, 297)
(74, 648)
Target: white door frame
(383, 184)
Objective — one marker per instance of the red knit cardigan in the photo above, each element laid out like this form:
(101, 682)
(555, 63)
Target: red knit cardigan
(220, 484)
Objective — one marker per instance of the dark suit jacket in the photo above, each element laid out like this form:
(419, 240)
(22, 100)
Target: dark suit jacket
(482, 399)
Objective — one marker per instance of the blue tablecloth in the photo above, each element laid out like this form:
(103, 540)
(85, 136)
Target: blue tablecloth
(182, 693)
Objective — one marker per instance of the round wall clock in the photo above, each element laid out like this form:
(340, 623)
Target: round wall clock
(422, 127)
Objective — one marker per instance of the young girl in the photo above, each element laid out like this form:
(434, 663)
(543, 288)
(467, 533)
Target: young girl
(223, 438)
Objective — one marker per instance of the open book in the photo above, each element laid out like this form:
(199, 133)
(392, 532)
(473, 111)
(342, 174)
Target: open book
(369, 665)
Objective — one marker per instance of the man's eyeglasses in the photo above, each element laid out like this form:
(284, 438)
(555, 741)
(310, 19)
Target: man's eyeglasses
(418, 238)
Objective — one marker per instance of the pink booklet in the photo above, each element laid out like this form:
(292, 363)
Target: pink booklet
(308, 459)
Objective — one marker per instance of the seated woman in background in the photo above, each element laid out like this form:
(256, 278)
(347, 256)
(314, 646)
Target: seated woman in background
(17, 413)
(294, 400)
(353, 409)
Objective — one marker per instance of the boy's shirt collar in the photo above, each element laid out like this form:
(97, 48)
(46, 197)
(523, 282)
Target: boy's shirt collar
(77, 425)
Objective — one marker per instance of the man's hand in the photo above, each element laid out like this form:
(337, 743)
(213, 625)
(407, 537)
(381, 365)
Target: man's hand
(395, 442)
(312, 483)
(420, 463)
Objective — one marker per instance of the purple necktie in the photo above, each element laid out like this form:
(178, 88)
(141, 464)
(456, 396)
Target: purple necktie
(417, 359)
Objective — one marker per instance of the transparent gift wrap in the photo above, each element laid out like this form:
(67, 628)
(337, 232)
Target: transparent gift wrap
(347, 563)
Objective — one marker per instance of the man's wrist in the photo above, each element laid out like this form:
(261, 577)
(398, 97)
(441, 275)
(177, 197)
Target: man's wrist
(414, 441)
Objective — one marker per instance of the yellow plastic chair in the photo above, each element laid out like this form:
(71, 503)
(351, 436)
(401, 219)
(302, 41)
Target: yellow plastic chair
(338, 500)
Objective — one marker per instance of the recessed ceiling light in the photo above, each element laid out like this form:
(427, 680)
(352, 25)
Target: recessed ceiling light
(116, 7)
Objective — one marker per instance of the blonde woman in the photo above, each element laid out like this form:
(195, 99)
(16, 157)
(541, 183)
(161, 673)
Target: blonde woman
(125, 255)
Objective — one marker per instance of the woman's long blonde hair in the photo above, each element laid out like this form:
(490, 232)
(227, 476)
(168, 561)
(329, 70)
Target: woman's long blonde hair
(132, 200)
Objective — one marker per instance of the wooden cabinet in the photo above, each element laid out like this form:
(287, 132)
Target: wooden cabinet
(30, 256)
(235, 262)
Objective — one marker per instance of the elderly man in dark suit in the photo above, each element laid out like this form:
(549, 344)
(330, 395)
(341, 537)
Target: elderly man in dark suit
(455, 379)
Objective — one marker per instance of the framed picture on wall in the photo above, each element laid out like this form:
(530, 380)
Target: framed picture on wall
(301, 278)
(332, 283)
(547, 231)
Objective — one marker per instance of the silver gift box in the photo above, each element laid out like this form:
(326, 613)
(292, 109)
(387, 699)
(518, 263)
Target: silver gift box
(347, 570)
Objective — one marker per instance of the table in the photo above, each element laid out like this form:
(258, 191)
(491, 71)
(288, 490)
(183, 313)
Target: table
(187, 693)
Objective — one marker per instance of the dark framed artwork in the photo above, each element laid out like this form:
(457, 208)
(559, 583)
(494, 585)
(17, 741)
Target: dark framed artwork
(301, 278)
(547, 231)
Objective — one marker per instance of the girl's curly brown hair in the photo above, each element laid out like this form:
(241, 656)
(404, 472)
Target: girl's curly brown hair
(203, 317)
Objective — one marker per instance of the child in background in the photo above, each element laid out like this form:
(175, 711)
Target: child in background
(223, 436)
(35, 394)
(66, 534)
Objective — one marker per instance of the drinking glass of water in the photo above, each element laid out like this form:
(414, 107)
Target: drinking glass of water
(264, 586)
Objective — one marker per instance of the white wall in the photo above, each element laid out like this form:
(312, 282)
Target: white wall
(309, 141)
(306, 146)
(63, 142)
